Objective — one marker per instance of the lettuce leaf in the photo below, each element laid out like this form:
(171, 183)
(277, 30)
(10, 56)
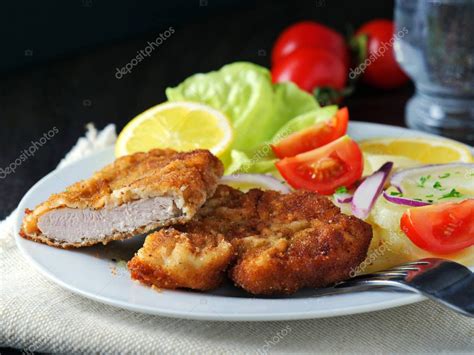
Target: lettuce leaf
(289, 102)
(241, 163)
(257, 109)
(305, 120)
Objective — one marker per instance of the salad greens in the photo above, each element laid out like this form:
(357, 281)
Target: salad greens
(261, 112)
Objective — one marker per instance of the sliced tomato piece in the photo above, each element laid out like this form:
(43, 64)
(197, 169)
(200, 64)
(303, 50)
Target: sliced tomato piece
(313, 137)
(324, 169)
(342, 122)
(442, 228)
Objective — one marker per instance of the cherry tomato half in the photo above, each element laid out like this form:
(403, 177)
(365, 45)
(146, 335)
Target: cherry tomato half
(441, 228)
(324, 169)
(310, 68)
(313, 137)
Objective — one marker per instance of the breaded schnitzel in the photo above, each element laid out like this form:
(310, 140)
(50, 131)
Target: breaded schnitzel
(172, 259)
(133, 195)
(266, 242)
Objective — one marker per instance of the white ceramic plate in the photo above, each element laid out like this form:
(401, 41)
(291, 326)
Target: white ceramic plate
(92, 273)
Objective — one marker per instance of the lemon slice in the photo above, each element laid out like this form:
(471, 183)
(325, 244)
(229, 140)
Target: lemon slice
(182, 126)
(425, 150)
(373, 162)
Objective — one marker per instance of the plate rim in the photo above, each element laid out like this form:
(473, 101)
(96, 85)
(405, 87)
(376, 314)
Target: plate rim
(409, 298)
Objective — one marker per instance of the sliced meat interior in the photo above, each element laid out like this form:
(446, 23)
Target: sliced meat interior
(74, 225)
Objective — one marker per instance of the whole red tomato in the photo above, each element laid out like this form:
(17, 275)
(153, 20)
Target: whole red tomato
(308, 34)
(310, 68)
(380, 68)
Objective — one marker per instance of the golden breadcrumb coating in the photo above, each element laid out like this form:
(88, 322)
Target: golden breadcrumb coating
(279, 243)
(171, 259)
(189, 178)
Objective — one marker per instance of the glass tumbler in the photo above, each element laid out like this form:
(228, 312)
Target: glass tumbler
(437, 52)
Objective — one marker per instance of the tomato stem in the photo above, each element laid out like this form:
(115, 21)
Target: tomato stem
(327, 95)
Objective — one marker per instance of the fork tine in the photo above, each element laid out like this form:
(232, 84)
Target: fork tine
(410, 266)
(382, 275)
(404, 268)
(391, 273)
(418, 262)
(372, 279)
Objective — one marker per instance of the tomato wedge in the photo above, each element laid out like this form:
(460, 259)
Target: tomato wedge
(324, 169)
(313, 137)
(442, 228)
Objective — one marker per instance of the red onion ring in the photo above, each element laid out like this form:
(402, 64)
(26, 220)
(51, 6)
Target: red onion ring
(369, 190)
(404, 201)
(268, 181)
(397, 178)
(343, 197)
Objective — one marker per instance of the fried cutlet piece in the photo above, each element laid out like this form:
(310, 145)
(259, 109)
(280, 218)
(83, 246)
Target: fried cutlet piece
(135, 194)
(278, 244)
(172, 259)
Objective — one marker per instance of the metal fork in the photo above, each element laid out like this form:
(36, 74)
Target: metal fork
(447, 282)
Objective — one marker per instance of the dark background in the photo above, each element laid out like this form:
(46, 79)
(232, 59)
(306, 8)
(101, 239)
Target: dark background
(59, 60)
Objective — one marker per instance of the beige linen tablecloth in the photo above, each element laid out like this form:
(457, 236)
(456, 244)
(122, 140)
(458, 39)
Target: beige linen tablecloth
(38, 315)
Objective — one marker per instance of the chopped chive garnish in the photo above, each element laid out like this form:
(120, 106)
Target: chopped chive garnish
(395, 193)
(431, 195)
(452, 193)
(341, 190)
(423, 180)
(444, 176)
(418, 199)
(430, 201)
(437, 185)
